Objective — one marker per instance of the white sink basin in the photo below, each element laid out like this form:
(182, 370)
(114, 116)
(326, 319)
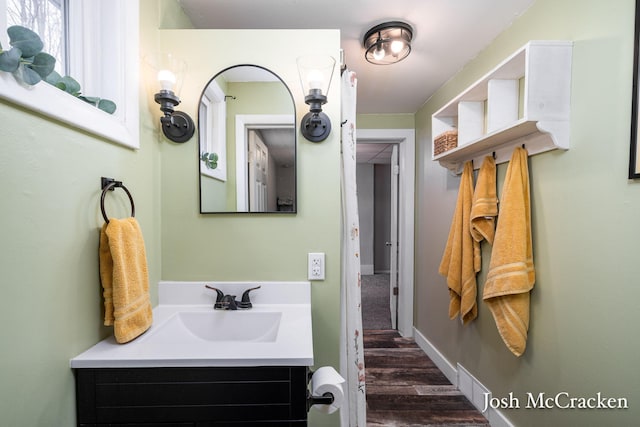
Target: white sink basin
(187, 331)
(230, 325)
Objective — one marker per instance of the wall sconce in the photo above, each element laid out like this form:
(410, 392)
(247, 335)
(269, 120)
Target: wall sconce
(176, 125)
(388, 43)
(315, 77)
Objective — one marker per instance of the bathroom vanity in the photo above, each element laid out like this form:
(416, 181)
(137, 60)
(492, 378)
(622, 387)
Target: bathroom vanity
(197, 366)
(205, 396)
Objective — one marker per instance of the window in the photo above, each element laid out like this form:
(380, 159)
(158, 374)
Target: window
(101, 54)
(213, 116)
(48, 18)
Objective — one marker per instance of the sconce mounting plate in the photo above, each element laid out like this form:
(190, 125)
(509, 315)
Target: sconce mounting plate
(179, 127)
(315, 126)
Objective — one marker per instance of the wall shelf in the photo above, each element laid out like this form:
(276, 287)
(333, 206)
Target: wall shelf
(524, 100)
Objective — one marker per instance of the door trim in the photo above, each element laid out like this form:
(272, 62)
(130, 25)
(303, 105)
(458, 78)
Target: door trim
(406, 140)
(244, 122)
(393, 235)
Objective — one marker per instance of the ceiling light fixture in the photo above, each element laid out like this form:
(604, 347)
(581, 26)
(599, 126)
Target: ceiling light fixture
(388, 43)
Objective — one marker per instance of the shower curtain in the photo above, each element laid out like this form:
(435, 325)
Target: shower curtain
(353, 413)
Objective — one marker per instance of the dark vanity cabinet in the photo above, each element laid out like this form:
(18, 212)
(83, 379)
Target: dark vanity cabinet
(192, 396)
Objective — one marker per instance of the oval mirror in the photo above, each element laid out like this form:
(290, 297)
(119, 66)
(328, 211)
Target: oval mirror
(247, 143)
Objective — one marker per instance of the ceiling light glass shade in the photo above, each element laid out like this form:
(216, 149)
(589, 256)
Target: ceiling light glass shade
(388, 43)
(379, 53)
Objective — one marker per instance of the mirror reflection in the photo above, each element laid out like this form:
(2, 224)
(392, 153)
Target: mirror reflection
(247, 143)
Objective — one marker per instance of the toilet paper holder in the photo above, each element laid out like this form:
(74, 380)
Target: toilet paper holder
(326, 399)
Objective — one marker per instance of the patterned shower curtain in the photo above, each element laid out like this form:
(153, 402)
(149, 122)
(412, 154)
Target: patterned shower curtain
(353, 413)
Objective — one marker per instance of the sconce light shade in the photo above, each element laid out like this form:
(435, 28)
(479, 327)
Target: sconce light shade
(315, 77)
(169, 72)
(388, 43)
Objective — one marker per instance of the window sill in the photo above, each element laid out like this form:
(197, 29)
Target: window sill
(59, 105)
(218, 173)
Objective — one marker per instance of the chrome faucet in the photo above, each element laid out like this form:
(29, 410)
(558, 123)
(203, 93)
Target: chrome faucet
(229, 302)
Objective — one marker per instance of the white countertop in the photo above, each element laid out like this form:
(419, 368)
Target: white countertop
(168, 344)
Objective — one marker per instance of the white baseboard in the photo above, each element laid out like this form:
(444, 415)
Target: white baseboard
(443, 364)
(469, 385)
(473, 389)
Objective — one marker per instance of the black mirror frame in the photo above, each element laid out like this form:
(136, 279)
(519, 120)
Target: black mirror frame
(294, 211)
(634, 155)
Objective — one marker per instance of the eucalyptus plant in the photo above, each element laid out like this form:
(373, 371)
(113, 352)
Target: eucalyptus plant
(29, 65)
(210, 160)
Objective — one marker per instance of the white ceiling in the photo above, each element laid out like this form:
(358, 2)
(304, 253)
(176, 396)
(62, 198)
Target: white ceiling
(373, 153)
(447, 34)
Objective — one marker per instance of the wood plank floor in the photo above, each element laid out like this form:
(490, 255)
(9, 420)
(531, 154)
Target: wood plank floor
(405, 388)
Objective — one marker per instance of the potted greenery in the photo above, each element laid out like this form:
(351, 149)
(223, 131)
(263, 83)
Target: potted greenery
(29, 65)
(210, 160)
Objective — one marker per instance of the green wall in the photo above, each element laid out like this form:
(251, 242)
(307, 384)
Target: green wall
(52, 307)
(50, 219)
(258, 247)
(385, 121)
(584, 306)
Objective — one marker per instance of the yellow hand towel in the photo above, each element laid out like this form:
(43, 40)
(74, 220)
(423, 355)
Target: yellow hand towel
(459, 262)
(511, 272)
(485, 202)
(124, 277)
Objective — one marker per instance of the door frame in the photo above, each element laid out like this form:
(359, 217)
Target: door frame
(258, 197)
(393, 235)
(243, 123)
(406, 140)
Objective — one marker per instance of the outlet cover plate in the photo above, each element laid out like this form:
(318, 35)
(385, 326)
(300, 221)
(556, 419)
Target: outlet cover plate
(316, 266)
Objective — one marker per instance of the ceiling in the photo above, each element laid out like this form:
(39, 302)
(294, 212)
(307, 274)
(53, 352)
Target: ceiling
(373, 153)
(447, 34)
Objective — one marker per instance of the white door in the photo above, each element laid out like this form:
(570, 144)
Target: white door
(258, 173)
(393, 243)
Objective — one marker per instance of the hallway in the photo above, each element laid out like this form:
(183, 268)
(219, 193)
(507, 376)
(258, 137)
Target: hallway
(375, 301)
(405, 388)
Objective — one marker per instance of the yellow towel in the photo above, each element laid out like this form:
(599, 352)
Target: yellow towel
(485, 203)
(124, 276)
(511, 272)
(459, 264)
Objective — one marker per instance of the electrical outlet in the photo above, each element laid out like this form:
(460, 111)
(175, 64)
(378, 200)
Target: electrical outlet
(316, 266)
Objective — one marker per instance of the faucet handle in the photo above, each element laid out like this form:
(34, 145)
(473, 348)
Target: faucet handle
(246, 301)
(228, 303)
(218, 291)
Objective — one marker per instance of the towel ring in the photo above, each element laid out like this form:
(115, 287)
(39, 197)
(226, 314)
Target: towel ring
(111, 185)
